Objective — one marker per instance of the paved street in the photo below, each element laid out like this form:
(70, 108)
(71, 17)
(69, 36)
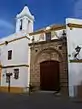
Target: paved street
(37, 101)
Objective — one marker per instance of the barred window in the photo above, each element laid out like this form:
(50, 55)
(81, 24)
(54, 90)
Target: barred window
(16, 73)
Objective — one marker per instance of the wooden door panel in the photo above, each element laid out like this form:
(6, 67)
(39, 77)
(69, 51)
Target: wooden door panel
(49, 75)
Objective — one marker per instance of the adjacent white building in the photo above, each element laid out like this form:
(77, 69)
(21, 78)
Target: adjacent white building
(74, 47)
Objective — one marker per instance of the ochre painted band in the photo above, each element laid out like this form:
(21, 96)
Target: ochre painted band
(76, 61)
(12, 89)
(9, 66)
(74, 25)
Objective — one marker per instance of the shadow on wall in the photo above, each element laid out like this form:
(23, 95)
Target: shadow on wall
(80, 76)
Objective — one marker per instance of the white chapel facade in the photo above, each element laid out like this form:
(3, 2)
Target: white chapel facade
(42, 58)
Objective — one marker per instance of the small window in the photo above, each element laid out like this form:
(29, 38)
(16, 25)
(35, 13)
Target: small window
(9, 54)
(21, 24)
(16, 73)
(48, 36)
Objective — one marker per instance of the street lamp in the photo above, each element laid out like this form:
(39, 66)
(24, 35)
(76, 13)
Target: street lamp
(8, 75)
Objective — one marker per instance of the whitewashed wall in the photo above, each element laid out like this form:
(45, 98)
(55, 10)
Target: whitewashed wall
(20, 82)
(74, 39)
(20, 55)
(19, 52)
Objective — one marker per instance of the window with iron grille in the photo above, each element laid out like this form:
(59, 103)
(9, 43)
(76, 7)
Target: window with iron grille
(48, 36)
(9, 54)
(16, 73)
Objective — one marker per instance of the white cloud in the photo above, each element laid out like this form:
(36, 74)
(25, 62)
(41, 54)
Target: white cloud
(5, 24)
(6, 28)
(78, 8)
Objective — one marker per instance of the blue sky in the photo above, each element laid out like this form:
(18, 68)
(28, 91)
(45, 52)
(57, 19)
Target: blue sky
(46, 12)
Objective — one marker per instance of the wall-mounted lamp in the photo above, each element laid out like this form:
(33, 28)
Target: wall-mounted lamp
(6, 42)
(3, 75)
(8, 76)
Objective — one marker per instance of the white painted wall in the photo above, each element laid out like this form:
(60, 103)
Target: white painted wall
(22, 81)
(20, 55)
(19, 52)
(17, 25)
(29, 57)
(74, 38)
(31, 26)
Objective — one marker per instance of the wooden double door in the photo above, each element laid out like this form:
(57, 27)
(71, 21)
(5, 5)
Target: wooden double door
(49, 76)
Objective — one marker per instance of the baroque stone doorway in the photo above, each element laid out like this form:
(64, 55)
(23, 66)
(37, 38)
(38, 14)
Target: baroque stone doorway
(49, 75)
(42, 52)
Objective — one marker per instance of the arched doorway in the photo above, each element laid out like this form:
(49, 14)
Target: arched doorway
(49, 75)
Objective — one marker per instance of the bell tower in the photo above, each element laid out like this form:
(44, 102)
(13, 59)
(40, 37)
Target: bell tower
(24, 21)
